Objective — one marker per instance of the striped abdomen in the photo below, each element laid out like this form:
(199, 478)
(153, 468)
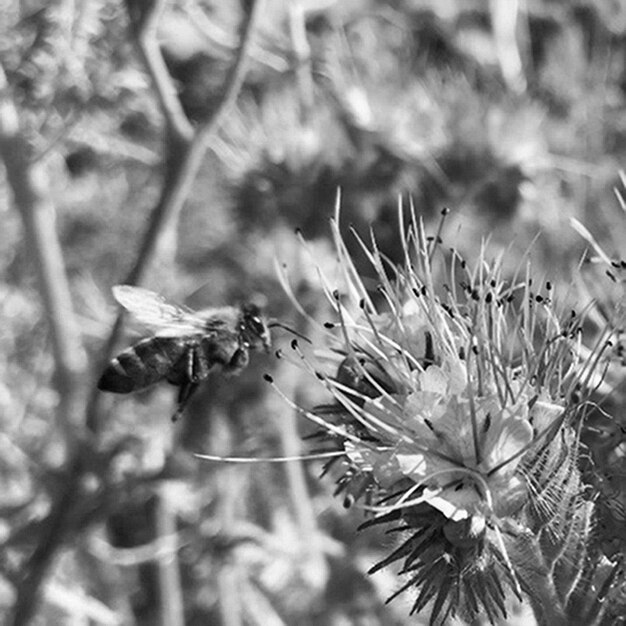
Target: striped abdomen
(146, 363)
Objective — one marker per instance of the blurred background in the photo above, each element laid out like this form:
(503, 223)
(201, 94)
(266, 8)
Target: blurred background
(511, 114)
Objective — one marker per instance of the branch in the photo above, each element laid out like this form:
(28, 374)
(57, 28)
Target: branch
(185, 153)
(29, 184)
(144, 21)
(237, 73)
(54, 532)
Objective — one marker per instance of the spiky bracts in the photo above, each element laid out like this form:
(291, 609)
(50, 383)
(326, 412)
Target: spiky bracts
(454, 393)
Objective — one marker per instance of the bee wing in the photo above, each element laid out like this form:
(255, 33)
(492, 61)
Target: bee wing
(152, 309)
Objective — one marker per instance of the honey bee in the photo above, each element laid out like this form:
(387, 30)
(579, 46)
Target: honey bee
(186, 345)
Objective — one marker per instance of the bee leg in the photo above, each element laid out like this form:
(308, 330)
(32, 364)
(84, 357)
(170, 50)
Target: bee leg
(196, 369)
(200, 367)
(186, 391)
(190, 357)
(239, 360)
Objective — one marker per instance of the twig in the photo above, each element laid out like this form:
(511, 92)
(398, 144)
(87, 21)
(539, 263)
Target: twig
(170, 590)
(237, 73)
(228, 584)
(504, 19)
(229, 598)
(302, 53)
(145, 30)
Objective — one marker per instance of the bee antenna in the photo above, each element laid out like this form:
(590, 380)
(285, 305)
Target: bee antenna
(275, 324)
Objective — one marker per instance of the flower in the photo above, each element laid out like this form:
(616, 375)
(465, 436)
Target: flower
(453, 409)
(437, 399)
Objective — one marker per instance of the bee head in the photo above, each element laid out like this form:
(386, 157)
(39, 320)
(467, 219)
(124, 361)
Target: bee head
(253, 327)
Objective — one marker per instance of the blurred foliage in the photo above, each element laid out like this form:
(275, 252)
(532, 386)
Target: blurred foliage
(378, 99)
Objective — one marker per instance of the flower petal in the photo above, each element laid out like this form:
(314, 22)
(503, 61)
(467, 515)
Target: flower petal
(456, 504)
(506, 438)
(434, 380)
(544, 414)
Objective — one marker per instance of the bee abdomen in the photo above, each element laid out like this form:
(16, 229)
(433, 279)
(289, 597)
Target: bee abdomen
(146, 363)
(115, 379)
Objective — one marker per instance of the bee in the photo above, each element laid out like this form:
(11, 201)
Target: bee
(187, 345)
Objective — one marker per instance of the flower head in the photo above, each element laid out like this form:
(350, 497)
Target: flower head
(450, 405)
(447, 391)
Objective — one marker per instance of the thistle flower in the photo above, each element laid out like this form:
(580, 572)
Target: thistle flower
(454, 408)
